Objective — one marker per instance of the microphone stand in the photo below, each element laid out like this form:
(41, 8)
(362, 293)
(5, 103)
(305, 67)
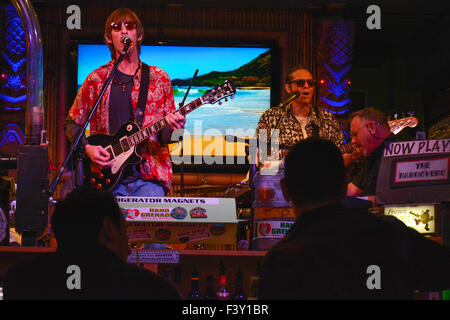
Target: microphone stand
(76, 144)
(182, 139)
(282, 105)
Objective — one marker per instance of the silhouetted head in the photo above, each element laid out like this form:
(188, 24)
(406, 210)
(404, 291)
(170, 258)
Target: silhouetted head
(314, 173)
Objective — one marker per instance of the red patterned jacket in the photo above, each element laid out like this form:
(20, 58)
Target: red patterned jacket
(160, 102)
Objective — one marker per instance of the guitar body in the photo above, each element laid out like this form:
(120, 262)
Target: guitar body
(121, 154)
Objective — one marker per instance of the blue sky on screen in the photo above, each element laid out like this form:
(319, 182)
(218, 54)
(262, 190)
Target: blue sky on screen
(178, 62)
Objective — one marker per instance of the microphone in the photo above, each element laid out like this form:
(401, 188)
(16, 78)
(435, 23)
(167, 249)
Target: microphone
(294, 96)
(125, 39)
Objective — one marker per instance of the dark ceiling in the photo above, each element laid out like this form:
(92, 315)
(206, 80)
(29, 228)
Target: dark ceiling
(387, 6)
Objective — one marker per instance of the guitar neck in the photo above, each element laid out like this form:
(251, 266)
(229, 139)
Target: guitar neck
(159, 125)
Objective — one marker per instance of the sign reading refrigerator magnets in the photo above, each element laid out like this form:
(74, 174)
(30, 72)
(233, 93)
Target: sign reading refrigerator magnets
(211, 210)
(420, 218)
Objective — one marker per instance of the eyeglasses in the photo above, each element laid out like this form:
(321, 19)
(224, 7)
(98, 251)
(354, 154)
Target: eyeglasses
(355, 134)
(117, 26)
(301, 82)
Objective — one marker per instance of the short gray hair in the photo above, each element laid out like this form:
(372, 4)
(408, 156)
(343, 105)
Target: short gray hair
(371, 114)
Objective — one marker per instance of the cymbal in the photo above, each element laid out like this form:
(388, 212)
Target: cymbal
(203, 189)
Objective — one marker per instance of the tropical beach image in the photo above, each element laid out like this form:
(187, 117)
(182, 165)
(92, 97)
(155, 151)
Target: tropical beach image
(248, 68)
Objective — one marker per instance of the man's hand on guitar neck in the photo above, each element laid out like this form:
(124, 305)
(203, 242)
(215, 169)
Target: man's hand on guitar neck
(175, 121)
(98, 156)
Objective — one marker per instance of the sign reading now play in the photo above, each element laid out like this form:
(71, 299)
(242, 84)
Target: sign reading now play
(417, 147)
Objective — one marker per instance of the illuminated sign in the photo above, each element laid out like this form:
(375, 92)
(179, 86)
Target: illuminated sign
(178, 209)
(421, 217)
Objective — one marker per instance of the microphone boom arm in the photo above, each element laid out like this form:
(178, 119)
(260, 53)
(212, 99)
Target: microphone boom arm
(283, 104)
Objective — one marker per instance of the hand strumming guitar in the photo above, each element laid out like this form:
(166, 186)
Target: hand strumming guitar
(98, 156)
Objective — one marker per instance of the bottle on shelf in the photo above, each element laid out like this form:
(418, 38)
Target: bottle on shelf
(222, 293)
(239, 290)
(194, 294)
(242, 236)
(168, 274)
(254, 284)
(210, 293)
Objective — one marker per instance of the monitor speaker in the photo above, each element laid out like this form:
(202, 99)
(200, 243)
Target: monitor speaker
(32, 185)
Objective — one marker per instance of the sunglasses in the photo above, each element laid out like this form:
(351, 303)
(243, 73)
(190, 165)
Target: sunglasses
(301, 82)
(117, 26)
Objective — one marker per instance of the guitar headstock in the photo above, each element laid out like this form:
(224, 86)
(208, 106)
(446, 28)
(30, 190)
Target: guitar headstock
(398, 125)
(223, 91)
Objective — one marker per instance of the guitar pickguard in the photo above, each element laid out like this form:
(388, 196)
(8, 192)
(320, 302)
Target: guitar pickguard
(120, 160)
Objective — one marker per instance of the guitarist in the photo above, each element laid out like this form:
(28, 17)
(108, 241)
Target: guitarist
(152, 177)
(370, 132)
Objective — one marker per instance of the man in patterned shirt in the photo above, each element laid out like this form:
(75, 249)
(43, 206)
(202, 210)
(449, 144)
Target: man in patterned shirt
(153, 176)
(301, 120)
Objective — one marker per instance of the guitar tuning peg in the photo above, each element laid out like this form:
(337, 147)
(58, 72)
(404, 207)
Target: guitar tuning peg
(220, 103)
(226, 100)
(231, 97)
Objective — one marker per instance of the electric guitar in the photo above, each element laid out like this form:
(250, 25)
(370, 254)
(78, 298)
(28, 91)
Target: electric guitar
(122, 145)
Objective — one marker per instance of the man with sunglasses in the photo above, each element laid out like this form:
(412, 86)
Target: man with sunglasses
(370, 131)
(153, 176)
(299, 119)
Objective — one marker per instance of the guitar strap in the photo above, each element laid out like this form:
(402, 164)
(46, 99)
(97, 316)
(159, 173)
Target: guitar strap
(143, 93)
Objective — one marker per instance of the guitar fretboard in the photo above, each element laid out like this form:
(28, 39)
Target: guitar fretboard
(125, 144)
(212, 96)
(154, 128)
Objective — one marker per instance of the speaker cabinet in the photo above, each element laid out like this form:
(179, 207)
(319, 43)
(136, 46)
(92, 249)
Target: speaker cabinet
(32, 185)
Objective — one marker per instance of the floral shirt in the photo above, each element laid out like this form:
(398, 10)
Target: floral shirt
(160, 102)
(290, 129)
